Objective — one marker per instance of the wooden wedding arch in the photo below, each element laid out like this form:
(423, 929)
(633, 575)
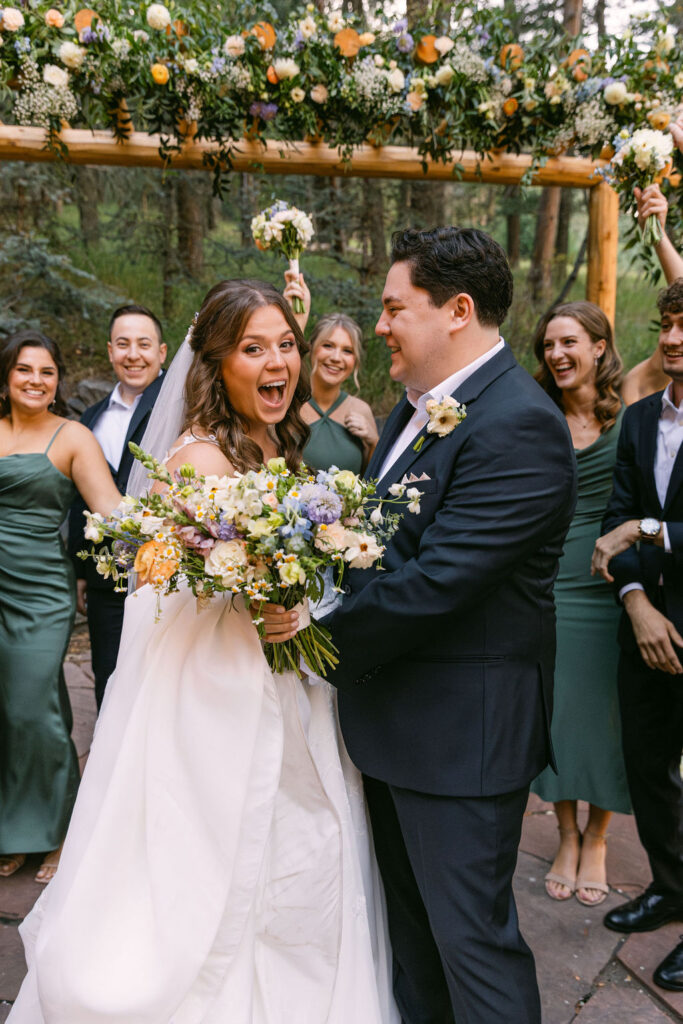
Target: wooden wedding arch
(274, 157)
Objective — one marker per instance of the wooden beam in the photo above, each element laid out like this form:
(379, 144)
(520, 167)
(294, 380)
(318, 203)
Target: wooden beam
(141, 150)
(603, 249)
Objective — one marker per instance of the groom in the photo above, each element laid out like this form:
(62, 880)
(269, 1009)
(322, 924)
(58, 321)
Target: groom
(446, 657)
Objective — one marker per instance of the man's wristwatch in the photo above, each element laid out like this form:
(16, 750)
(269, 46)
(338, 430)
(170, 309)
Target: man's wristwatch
(649, 528)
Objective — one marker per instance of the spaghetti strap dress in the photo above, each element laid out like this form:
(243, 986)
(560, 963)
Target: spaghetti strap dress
(38, 762)
(330, 443)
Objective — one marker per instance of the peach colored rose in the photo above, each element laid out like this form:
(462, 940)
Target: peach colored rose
(54, 19)
(152, 563)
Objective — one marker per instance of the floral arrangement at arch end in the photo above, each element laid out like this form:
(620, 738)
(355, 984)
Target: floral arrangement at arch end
(176, 70)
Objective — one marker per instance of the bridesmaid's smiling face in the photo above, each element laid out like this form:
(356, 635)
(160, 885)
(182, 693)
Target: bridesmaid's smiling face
(570, 353)
(262, 371)
(32, 382)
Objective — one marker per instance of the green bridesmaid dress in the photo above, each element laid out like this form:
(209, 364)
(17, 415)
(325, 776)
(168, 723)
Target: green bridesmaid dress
(586, 728)
(330, 443)
(38, 762)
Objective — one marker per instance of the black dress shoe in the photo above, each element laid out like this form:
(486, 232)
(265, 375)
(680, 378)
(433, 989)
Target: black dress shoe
(645, 913)
(669, 974)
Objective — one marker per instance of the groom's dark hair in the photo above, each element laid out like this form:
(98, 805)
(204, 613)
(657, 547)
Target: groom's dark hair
(447, 261)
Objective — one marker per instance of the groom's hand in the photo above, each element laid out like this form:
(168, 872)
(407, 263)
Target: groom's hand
(278, 623)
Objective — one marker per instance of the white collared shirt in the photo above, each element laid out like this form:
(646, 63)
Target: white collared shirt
(420, 417)
(669, 440)
(112, 426)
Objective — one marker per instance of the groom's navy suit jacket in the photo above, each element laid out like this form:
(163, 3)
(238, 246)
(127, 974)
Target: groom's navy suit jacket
(447, 656)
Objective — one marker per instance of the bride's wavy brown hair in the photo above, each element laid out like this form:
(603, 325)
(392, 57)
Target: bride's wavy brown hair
(609, 367)
(218, 329)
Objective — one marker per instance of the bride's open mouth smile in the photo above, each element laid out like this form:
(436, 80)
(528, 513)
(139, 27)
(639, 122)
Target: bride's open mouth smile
(273, 393)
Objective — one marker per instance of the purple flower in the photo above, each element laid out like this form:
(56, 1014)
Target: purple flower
(226, 530)
(266, 111)
(218, 65)
(323, 505)
(400, 27)
(405, 42)
(299, 41)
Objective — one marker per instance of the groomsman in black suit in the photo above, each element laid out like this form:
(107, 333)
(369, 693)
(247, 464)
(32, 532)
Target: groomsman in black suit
(136, 351)
(447, 654)
(642, 552)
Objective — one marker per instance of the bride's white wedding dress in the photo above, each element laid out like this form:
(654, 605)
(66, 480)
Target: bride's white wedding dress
(218, 867)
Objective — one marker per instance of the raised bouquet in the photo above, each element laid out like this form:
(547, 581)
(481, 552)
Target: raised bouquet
(641, 158)
(266, 535)
(286, 229)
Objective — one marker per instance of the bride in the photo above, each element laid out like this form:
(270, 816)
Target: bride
(218, 864)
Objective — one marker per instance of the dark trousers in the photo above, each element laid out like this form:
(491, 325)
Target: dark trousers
(105, 622)
(652, 733)
(447, 866)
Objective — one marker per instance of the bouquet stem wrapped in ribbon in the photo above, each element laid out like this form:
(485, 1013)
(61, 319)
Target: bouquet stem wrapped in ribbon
(264, 535)
(286, 229)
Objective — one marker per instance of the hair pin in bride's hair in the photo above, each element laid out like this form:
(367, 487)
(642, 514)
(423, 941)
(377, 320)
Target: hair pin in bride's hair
(190, 329)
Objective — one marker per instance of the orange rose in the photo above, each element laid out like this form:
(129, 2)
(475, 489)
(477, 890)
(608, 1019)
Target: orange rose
(659, 119)
(160, 74)
(510, 106)
(54, 19)
(271, 75)
(152, 564)
(511, 56)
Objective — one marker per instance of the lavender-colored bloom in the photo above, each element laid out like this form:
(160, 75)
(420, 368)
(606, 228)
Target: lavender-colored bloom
(226, 530)
(405, 42)
(88, 36)
(124, 553)
(218, 65)
(266, 111)
(400, 26)
(22, 45)
(299, 41)
(323, 505)
(482, 34)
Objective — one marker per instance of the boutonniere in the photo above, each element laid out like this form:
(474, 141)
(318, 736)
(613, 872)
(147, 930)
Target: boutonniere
(444, 416)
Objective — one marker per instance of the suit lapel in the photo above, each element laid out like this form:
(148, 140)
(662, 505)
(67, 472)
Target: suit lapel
(648, 435)
(146, 402)
(467, 393)
(92, 413)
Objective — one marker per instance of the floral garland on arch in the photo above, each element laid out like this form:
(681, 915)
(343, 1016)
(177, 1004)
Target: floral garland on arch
(176, 70)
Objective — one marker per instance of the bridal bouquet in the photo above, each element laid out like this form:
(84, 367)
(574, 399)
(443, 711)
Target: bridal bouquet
(640, 159)
(286, 229)
(268, 535)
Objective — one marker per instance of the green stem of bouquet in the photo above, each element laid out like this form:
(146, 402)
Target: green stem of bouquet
(651, 232)
(312, 644)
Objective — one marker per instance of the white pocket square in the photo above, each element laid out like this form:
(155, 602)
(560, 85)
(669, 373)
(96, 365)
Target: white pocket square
(410, 478)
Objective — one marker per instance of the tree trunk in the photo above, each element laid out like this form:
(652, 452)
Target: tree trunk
(87, 194)
(600, 18)
(190, 225)
(246, 212)
(513, 223)
(541, 273)
(168, 261)
(375, 263)
(563, 226)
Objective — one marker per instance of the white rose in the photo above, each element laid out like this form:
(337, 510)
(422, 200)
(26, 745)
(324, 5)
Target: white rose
(444, 75)
(307, 27)
(396, 80)
(319, 94)
(443, 45)
(285, 68)
(615, 93)
(234, 46)
(379, 60)
(140, 36)
(226, 560)
(666, 43)
(12, 19)
(158, 16)
(71, 55)
(191, 65)
(298, 95)
(58, 77)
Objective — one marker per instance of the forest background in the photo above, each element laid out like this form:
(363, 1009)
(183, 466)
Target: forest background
(75, 242)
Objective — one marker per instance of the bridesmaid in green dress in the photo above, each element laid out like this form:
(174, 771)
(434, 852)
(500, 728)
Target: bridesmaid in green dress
(343, 429)
(581, 370)
(43, 459)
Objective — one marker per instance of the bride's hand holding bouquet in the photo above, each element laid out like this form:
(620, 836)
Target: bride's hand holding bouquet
(287, 230)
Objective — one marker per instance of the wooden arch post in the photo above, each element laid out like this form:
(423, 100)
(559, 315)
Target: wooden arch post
(272, 157)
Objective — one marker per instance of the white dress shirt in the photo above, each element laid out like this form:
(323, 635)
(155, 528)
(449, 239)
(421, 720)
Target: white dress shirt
(112, 426)
(669, 440)
(420, 417)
